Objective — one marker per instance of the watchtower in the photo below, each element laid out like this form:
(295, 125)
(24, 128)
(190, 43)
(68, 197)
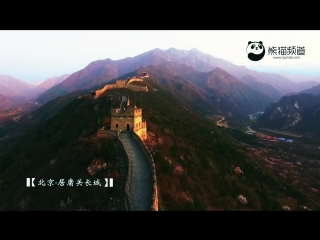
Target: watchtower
(128, 118)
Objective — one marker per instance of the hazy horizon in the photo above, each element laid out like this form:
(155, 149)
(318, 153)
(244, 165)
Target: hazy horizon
(34, 56)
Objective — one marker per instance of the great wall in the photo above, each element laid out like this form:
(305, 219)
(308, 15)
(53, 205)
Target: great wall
(140, 193)
(125, 84)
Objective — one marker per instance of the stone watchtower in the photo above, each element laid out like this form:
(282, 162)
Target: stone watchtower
(128, 118)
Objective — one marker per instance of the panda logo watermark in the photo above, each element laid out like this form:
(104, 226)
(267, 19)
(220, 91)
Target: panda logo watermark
(255, 51)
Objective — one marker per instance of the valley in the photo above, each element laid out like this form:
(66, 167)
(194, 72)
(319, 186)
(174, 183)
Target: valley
(282, 133)
(14, 122)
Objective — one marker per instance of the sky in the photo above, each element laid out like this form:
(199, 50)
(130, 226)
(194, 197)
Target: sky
(34, 56)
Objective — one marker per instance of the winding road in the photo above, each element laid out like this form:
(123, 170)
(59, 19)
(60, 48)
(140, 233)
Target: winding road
(141, 184)
(250, 130)
(17, 118)
(218, 123)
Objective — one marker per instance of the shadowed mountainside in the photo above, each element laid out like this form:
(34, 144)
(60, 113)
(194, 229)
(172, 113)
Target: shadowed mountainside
(299, 113)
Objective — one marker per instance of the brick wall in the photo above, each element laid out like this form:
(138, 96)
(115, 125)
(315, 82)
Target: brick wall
(134, 80)
(122, 124)
(123, 84)
(155, 204)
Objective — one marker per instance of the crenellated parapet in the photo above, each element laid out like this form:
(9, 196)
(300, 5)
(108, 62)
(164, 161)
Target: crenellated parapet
(118, 113)
(137, 112)
(129, 112)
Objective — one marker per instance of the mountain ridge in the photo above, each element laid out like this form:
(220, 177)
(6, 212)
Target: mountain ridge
(314, 90)
(102, 71)
(10, 86)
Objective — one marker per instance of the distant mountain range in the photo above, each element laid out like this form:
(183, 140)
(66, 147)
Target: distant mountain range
(51, 82)
(301, 78)
(204, 81)
(211, 92)
(103, 71)
(298, 112)
(230, 94)
(314, 90)
(296, 72)
(10, 86)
